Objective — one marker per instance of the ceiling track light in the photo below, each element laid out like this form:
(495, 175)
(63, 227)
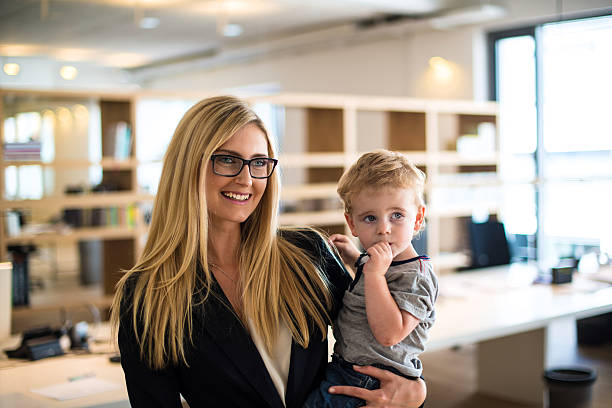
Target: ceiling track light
(68, 72)
(11, 68)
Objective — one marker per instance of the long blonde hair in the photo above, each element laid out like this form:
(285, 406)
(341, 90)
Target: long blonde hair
(279, 281)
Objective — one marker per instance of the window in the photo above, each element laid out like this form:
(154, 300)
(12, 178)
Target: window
(553, 85)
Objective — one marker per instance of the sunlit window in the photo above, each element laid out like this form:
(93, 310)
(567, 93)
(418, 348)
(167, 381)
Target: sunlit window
(154, 136)
(572, 164)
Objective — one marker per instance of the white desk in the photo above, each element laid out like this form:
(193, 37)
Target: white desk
(521, 328)
(513, 321)
(18, 377)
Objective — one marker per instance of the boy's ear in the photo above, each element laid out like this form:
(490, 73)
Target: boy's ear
(351, 224)
(420, 217)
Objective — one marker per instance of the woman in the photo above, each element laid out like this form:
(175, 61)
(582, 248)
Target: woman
(223, 307)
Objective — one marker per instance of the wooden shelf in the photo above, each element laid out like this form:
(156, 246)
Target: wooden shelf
(462, 159)
(303, 160)
(310, 191)
(91, 200)
(461, 210)
(328, 217)
(74, 234)
(105, 163)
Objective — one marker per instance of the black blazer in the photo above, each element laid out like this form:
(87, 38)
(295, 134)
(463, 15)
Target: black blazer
(224, 368)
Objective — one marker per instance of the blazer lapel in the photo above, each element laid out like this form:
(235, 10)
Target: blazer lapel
(229, 334)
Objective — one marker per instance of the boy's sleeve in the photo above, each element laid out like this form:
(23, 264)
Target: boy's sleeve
(414, 292)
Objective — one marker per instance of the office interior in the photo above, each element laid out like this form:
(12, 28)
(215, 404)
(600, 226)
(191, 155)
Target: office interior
(503, 104)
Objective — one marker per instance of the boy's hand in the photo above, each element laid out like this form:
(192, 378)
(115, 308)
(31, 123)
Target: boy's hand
(381, 257)
(348, 251)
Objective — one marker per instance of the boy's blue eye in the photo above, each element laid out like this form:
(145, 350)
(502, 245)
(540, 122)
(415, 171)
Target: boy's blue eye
(369, 218)
(397, 216)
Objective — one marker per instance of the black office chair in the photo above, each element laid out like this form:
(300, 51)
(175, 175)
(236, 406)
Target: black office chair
(488, 243)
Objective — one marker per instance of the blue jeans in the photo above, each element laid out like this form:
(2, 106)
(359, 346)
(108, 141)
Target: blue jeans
(339, 372)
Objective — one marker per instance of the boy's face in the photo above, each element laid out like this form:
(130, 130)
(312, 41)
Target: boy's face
(386, 214)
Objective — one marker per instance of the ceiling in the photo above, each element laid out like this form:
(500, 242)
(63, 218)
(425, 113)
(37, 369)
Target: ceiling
(109, 32)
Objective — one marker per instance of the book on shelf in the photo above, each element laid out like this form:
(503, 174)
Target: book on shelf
(22, 151)
(112, 216)
(118, 141)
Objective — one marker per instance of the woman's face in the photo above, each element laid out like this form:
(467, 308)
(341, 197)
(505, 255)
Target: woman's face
(233, 199)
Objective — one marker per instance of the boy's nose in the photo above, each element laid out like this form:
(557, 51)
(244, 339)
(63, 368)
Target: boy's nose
(384, 227)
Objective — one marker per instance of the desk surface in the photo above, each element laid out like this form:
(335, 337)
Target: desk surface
(472, 306)
(499, 301)
(18, 377)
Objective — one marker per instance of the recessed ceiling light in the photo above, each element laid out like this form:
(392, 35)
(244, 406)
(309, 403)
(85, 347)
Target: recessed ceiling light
(11, 68)
(149, 23)
(68, 72)
(232, 30)
(441, 67)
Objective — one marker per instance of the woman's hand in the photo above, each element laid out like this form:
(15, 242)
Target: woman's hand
(394, 392)
(347, 249)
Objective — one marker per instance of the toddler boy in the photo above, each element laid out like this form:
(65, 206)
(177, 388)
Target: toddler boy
(389, 307)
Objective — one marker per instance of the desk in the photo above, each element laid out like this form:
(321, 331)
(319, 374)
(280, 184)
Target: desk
(516, 325)
(521, 328)
(18, 377)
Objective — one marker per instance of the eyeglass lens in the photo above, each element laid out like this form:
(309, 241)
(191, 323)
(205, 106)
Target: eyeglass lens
(231, 166)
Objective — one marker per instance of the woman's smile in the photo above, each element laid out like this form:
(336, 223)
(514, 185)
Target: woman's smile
(236, 197)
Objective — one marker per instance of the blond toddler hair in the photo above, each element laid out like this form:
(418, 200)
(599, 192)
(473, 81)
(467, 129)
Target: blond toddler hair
(381, 168)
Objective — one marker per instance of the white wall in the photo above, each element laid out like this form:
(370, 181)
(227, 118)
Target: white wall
(388, 67)
(394, 67)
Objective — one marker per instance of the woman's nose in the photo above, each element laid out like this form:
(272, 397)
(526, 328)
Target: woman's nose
(244, 177)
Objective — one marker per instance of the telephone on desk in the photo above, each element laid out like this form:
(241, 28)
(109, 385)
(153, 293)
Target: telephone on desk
(37, 343)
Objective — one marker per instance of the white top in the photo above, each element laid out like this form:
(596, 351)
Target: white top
(278, 361)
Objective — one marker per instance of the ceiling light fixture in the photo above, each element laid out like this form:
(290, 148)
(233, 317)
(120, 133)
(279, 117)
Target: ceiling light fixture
(68, 72)
(441, 68)
(11, 68)
(149, 23)
(232, 30)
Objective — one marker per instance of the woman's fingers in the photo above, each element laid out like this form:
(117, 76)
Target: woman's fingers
(382, 375)
(356, 392)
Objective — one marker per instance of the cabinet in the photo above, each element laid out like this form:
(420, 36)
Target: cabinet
(454, 142)
(68, 169)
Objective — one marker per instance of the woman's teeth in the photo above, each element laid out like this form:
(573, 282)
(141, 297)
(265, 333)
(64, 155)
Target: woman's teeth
(239, 197)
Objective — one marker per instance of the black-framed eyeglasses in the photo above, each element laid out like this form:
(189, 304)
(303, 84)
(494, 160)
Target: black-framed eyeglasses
(230, 166)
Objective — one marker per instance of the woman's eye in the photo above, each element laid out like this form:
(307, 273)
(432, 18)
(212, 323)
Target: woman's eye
(397, 216)
(227, 160)
(369, 218)
(259, 162)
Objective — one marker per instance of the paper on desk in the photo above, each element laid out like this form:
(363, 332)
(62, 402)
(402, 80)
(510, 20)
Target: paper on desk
(76, 389)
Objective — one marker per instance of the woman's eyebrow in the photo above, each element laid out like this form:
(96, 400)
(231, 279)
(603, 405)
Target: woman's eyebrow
(235, 153)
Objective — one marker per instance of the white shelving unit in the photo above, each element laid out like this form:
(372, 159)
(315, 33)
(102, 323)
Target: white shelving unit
(330, 131)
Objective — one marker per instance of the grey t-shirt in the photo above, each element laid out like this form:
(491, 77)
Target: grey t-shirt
(414, 287)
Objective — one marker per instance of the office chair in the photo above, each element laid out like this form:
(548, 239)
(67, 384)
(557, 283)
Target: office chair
(488, 243)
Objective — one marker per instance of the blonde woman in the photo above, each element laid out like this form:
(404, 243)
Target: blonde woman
(223, 307)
